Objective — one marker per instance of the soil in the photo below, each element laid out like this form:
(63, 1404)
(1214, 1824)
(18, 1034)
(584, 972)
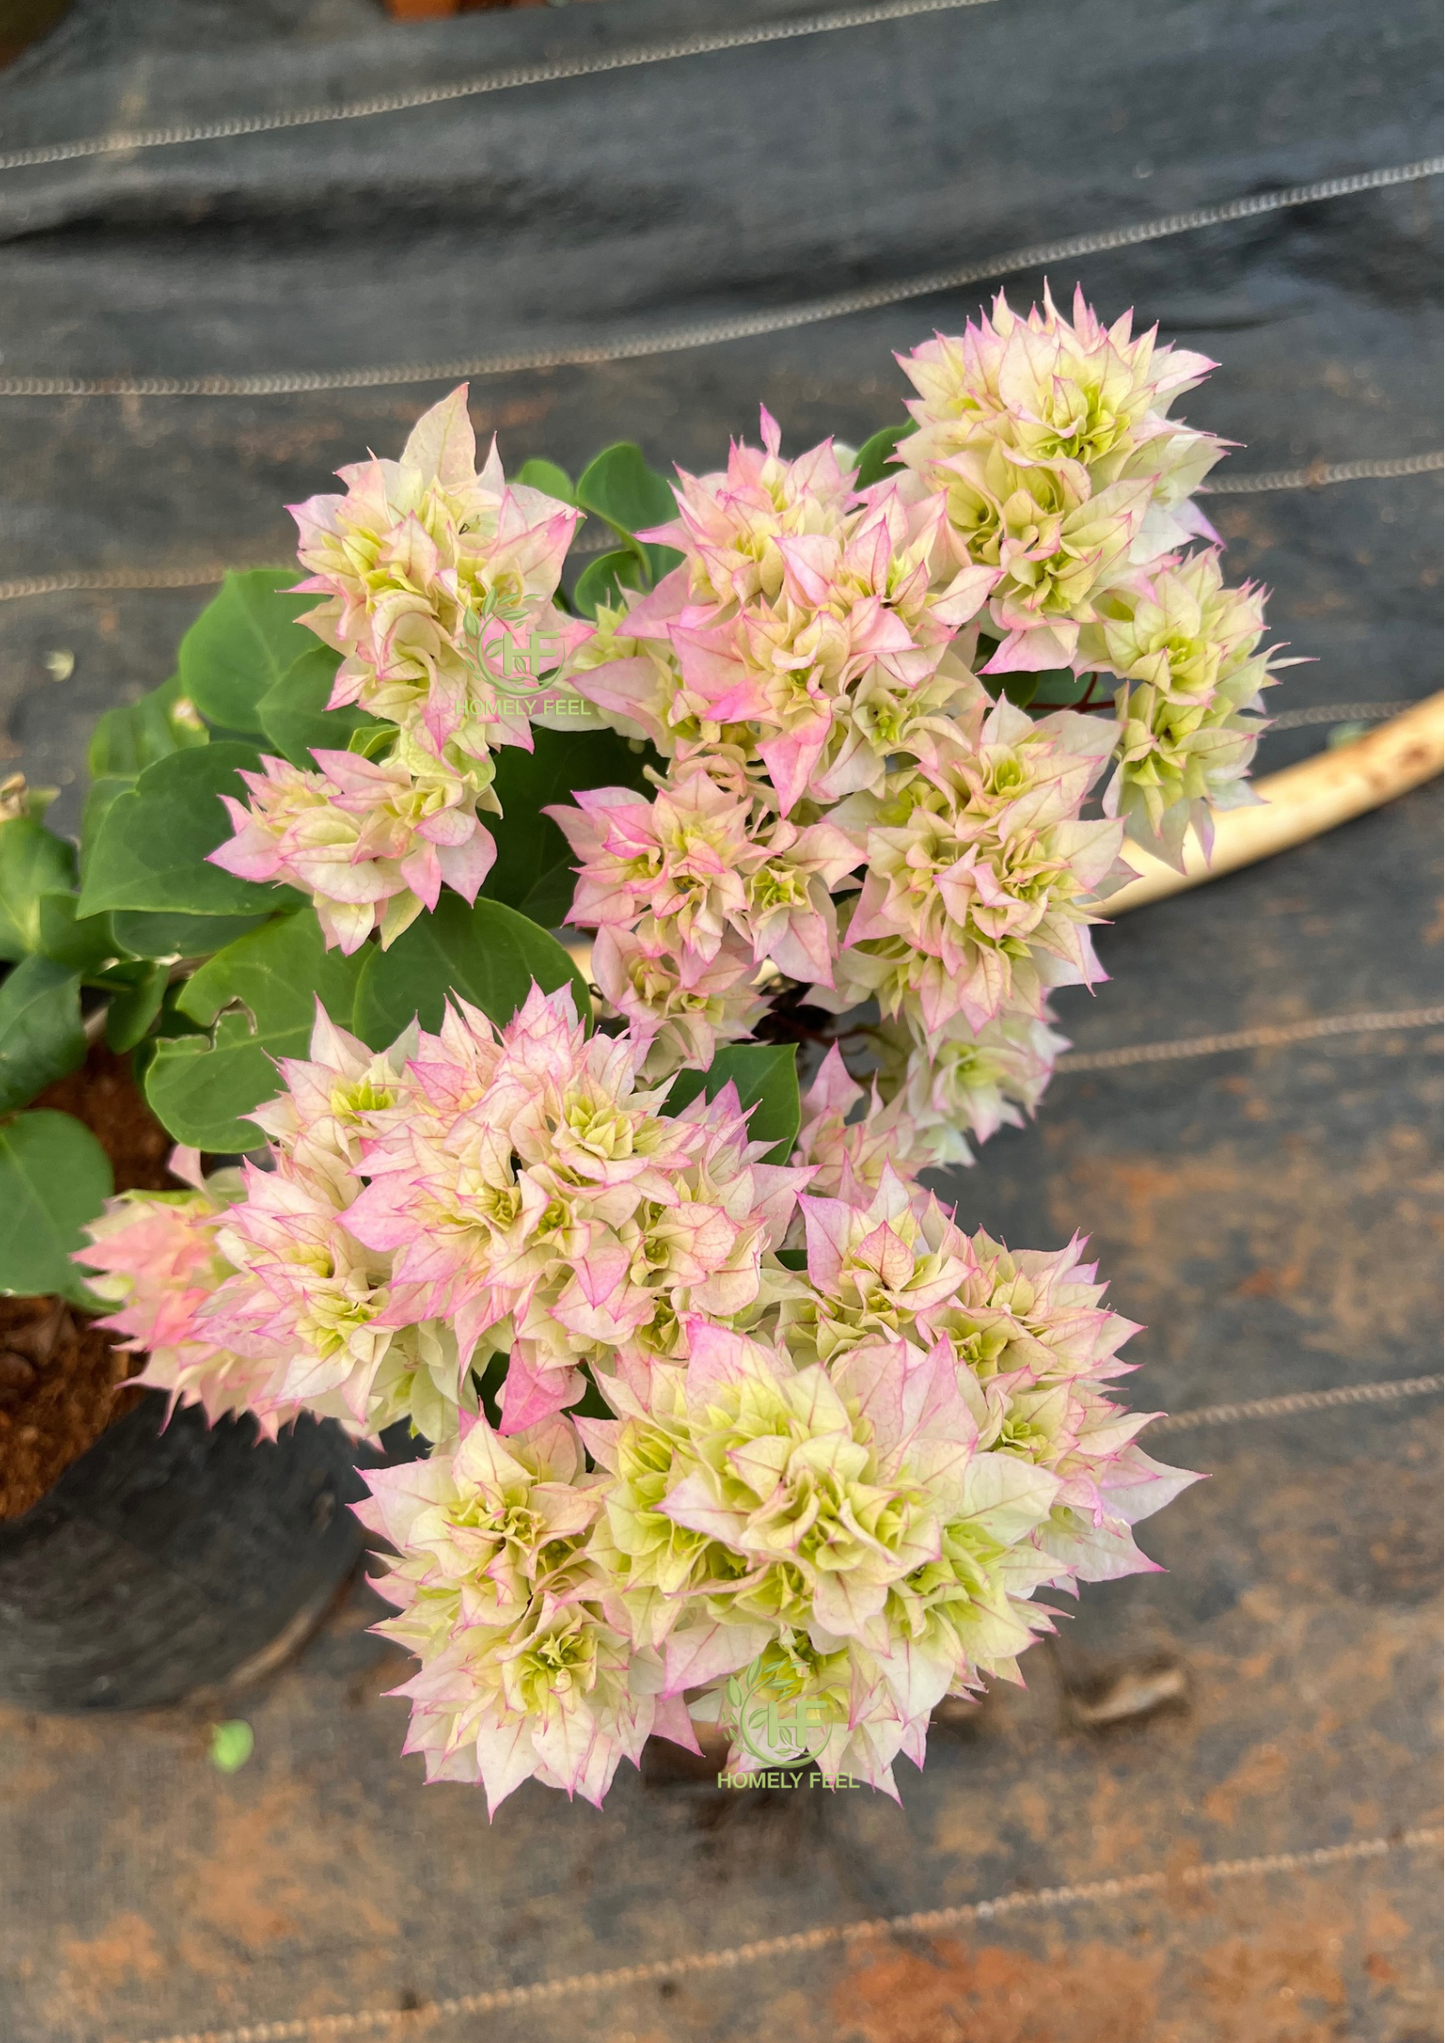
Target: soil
(107, 1099)
(62, 1382)
(62, 1379)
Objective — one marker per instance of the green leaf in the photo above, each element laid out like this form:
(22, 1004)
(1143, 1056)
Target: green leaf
(766, 1077)
(201, 1088)
(33, 862)
(100, 797)
(987, 647)
(169, 1024)
(547, 477)
(128, 739)
(604, 579)
(242, 644)
(294, 717)
(41, 1038)
(54, 1177)
(131, 1012)
(629, 496)
(232, 1744)
(488, 954)
(141, 934)
(152, 846)
(875, 456)
(86, 946)
(1020, 689)
(1059, 688)
(276, 972)
(533, 872)
(621, 488)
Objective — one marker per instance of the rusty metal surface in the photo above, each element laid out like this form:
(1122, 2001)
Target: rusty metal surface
(1271, 1216)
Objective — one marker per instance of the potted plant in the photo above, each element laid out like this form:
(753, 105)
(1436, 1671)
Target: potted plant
(831, 758)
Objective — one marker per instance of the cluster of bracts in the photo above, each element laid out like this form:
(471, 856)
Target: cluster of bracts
(847, 1464)
(693, 1411)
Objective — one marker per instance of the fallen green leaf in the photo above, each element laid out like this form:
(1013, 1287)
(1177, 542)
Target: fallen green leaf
(232, 1744)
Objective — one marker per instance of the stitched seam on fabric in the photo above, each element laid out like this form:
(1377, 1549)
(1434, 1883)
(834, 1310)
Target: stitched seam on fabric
(1043, 1900)
(1265, 1038)
(1318, 473)
(633, 58)
(672, 340)
(1388, 1392)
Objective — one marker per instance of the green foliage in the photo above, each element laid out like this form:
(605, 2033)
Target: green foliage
(547, 477)
(1061, 688)
(100, 797)
(1040, 691)
(41, 1038)
(1045, 689)
(128, 739)
(260, 994)
(33, 862)
(1019, 689)
(168, 1024)
(86, 946)
(54, 1177)
(125, 742)
(488, 954)
(620, 487)
(200, 1088)
(151, 848)
(142, 934)
(241, 645)
(134, 1007)
(293, 714)
(629, 496)
(766, 1076)
(604, 579)
(875, 456)
(533, 872)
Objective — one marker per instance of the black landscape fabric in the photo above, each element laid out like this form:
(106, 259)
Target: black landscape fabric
(695, 191)
(1269, 1216)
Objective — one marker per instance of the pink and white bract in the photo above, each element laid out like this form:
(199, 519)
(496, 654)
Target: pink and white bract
(857, 1475)
(813, 668)
(707, 1417)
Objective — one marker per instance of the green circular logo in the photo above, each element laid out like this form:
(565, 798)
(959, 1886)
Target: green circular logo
(774, 1720)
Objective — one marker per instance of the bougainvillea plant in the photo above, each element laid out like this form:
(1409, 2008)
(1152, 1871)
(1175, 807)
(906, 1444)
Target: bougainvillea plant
(822, 771)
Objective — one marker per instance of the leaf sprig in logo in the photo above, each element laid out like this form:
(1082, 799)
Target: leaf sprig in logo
(773, 1717)
(501, 656)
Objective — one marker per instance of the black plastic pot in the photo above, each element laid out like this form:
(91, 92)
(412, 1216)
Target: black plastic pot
(169, 1556)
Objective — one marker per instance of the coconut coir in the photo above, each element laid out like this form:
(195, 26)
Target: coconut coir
(62, 1380)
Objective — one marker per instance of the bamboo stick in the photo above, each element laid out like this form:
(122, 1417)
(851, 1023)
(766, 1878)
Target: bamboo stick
(1302, 802)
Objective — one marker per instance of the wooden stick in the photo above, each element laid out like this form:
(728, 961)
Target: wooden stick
(1302, 802)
